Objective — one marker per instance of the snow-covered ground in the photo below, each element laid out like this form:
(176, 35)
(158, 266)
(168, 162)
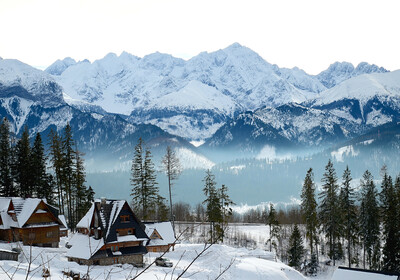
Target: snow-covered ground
(253, 262)
(246, 264)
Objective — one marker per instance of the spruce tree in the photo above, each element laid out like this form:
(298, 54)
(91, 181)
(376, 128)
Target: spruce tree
(369, 221)
(23, 166)
(349, 213)
(389, 213)
(329, 212)
(296, 248)
(309, 209)
(6, 181)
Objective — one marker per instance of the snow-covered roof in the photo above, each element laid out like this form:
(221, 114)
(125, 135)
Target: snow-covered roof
(87, 219)
(164, 229)
(83, 246)
(116, 209)
(359, 274)
(63, 221)
(4, 203)
(24, 207)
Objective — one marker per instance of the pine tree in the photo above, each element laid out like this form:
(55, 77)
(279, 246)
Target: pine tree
(6, 180)
(172, 169)
(309, 209)
(144, 191)
(389, 213)
(369, 220)
(296, 248)
(329, 212)
(349, 212)
(274, 227)
(23, 166)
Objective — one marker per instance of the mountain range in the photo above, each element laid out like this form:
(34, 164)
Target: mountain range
(231, 99)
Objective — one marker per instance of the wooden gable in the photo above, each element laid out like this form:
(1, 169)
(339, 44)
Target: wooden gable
(155, 235)
(42, 214)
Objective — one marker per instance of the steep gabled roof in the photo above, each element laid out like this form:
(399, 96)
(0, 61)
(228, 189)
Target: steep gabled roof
(107, 212)
(24, 207)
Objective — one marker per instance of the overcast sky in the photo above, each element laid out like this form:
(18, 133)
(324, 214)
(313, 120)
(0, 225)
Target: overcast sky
(308, 34)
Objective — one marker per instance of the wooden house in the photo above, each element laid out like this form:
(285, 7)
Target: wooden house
(161, 235)
(109, 233)
(30, 220)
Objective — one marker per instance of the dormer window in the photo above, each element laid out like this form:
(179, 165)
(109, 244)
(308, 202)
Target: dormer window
(124, 218)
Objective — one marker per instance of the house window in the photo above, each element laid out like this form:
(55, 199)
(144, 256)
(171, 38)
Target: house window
(114, 248)
(115, 260)
(49, 234)
(124, 218)
(32, 236)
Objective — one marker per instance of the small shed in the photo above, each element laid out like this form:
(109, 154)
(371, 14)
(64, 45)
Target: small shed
(161, 235)
(345, 273)
(8, 255)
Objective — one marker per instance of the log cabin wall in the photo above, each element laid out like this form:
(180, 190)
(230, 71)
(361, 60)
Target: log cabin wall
(41, 236)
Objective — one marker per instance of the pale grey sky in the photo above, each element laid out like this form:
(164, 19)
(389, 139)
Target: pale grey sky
(310, 34)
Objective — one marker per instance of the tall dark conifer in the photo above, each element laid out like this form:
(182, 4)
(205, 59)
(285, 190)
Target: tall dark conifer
(23, 165)
(329, 212)
(144, 192)
(369, 221)
(274, 228)
(56, 160)
(213, 206)
(349, 213)
(309, 209)
(389, 213)
(6, 181)
(40, 179)
(296, 248)
(68, 171)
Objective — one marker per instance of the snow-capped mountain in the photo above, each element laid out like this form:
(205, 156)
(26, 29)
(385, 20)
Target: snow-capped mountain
(336, 115)
(341, 71)
(30, 97)
(193, 98)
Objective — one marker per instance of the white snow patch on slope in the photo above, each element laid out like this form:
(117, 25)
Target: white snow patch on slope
(189, 159)
(363, 88)
(344, 151)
